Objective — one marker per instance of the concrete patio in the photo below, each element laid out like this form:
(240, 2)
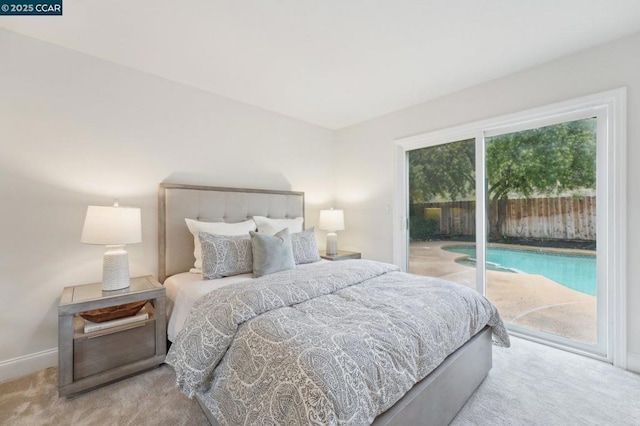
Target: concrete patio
(531, 301)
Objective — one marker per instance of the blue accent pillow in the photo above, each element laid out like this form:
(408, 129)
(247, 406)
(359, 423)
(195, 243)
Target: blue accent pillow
(271, 253)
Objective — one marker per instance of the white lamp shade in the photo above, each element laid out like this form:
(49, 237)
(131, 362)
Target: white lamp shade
(331, 220)
(112, 226)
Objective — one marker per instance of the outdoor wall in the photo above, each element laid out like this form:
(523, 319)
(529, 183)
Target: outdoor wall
(76, 130)
(364, 154)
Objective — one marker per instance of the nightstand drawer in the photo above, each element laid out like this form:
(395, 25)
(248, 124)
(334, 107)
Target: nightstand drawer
(89, 360)
(102, 351)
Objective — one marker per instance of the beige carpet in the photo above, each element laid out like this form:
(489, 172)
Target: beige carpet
(149, 398)
(530, 384)
(536, 385)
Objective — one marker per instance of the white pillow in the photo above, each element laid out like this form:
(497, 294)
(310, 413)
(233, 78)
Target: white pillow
(272, 226)
(216, 228)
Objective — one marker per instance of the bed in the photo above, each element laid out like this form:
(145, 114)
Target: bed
(335, 292)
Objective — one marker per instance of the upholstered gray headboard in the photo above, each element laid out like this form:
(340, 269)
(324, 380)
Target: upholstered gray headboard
(211, 204)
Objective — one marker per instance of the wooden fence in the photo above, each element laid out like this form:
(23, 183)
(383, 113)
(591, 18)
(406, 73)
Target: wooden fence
(564, 218)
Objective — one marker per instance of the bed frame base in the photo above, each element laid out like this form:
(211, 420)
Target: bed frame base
(436, 399)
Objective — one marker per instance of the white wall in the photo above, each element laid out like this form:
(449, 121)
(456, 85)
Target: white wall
(364, 164)
(76, 130)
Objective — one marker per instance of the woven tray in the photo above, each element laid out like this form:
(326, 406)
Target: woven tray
(113, 312)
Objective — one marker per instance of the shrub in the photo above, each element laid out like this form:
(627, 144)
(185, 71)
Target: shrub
(422, 229)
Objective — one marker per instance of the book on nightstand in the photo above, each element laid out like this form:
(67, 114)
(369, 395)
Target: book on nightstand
(90, 327)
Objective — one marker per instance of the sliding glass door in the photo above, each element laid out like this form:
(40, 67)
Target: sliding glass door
(442, 193)
(541, 251)
(520, 212)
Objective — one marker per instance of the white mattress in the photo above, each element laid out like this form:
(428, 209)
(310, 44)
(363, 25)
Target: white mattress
(185, 288)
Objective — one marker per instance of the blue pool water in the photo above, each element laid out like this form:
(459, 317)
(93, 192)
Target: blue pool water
(574, 271)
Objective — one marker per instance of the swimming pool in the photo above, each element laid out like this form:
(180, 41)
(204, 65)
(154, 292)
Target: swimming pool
(574, 271)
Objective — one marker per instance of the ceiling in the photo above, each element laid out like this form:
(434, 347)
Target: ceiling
(332, 62)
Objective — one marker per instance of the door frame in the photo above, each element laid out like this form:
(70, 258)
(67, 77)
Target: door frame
(609, 106)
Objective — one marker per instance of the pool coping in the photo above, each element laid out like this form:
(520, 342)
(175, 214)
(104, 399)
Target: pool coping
(522, 247)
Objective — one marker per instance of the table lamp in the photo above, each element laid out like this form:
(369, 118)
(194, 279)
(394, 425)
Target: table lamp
(332, 221)
(114, 227)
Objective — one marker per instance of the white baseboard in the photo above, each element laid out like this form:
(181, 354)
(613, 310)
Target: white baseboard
(633, 362)
(21, 366)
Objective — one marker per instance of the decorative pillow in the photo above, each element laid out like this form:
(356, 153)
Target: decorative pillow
(271, 226)
(225, 255)
(271, 253)
(217, 228)
(304, 247)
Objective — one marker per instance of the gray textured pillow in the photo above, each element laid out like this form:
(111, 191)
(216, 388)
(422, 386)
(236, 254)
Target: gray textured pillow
(271, 253)
(304, 247)
(225, 255)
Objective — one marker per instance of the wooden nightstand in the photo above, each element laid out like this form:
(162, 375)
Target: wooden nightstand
(86, 361)
(342, 255)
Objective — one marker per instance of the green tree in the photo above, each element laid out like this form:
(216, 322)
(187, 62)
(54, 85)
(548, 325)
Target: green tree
(446, 171)
(546, 160)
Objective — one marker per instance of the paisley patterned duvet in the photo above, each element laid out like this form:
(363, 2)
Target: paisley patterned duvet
(339, 343)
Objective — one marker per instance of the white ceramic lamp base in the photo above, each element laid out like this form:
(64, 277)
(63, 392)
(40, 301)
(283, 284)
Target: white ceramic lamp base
(332, 243)
(115, 268)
